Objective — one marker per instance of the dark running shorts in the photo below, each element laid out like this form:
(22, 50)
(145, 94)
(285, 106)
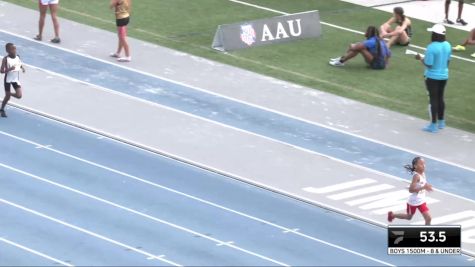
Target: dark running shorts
(122, 22)
(9, 85)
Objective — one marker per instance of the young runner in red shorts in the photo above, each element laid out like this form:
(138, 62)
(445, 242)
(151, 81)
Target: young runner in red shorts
(418, 188)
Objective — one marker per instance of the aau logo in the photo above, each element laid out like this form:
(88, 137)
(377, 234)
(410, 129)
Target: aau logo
(248, 34)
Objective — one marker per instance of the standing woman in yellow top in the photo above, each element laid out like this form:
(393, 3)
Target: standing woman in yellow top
(122, 15)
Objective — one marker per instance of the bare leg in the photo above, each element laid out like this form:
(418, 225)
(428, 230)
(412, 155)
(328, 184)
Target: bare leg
(447, 6)
(401, 38)
(471, 39)
(54, 16)
(41, 23)
(18, 93)
(125, 45)
(385, 29)
(427, 217)
(5, 100)
(351, 53)
(123, 40)
(460, 9)
(119, 45)
(403, 216)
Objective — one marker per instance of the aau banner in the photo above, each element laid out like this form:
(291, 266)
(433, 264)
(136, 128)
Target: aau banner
(267, 31)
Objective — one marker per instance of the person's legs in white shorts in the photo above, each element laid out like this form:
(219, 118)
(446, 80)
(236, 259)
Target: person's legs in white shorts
(49, 2)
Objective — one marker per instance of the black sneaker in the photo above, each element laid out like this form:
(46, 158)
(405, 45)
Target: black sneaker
(448, 21)
(56, 40)
(461, 21)
(3, 114)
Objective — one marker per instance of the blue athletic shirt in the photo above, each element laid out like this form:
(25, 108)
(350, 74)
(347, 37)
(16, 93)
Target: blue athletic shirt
(438, 56)
(370, 44)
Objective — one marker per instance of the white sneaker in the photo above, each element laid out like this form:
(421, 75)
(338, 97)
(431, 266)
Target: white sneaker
(115, 55)
(336, 63)
(124, 59)
(335, 59)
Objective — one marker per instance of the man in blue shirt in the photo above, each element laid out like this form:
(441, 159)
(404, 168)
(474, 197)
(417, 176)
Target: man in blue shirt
(436, 74)
(374, 50)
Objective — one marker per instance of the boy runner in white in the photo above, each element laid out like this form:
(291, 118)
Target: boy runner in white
(11, 67)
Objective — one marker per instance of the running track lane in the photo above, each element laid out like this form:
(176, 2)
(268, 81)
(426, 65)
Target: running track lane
(239, 115)
(41, 169)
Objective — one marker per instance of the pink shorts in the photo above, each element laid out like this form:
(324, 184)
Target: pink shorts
(412, 209)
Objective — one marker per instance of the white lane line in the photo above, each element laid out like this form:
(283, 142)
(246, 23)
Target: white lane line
(35, 252)
(225, 243)
(283, 228)
(362, 191)
(291, 231)
(153, 258)
(228, 98)
(339, 187)
(43, 146)
(332, 25)
(37, 213)
(175, 226)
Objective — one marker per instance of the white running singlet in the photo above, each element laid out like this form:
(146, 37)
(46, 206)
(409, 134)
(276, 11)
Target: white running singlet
(14, 75)
(419, 198)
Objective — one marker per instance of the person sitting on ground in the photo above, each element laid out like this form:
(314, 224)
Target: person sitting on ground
(402, 33)
(469, 41)
(374, 50)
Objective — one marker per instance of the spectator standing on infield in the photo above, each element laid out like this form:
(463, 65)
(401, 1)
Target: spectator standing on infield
(122, 15)
(53, 8)
(436, 74)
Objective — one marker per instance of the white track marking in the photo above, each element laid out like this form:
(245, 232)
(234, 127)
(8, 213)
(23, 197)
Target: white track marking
(110, 203)
(362, 191)
(35, 252)
(283, 228)
(232, 99)
(339, 187)
(393, 196)
(87, 232)
(331, 25)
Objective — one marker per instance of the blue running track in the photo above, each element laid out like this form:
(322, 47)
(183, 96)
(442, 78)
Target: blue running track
(63, 198)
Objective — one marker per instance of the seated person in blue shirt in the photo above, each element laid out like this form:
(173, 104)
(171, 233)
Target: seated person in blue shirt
(374, 50)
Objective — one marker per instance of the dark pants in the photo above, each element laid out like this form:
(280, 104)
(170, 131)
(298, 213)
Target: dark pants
(436, 90)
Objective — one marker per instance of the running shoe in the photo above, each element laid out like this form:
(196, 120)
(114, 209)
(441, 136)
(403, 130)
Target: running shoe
(461, 21)
(431, 128)
(459, 48)
(441, 124)
(390, 216)
(336, 63)
(115, 55)
(38, 38)
(448, 21)
(55, 40)
(472, 55)
(3, 114)
(335, 59)
(124, 59)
